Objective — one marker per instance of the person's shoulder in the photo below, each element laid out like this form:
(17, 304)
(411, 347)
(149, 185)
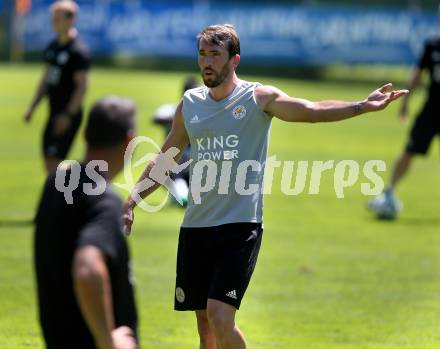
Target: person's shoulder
(195, 90)
(112, 195)
(108, 200)
(252, 87)
(56, 199)
(80, 54)
(433, 41)
(80, 47)
(52, 45)
(265, 94)
(266, 90)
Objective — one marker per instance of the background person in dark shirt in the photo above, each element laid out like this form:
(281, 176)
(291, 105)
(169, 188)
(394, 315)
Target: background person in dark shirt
(423, 131)
(64, 82)
(85, 294)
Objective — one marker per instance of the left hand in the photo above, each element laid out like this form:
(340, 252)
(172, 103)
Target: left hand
(380, 98)
(128, 216)
(62, 123)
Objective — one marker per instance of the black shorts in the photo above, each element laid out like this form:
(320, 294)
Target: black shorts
(426, 126)
(59, 146)
(217, 263)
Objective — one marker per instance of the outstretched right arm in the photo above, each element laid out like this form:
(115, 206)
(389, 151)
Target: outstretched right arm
(41, 92)
(177, 138)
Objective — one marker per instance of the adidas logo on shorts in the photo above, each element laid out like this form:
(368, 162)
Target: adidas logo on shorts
(232, 294)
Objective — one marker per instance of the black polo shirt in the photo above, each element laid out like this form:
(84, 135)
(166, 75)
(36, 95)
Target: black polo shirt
(61, 229)
(63, 61)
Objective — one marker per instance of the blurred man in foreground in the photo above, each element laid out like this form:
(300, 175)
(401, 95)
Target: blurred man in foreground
(85, 294)
(227, 122)
(423, 131)
(64, 81)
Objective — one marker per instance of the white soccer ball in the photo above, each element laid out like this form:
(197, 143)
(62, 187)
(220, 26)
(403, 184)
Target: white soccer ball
(385, 206)
(387, 212)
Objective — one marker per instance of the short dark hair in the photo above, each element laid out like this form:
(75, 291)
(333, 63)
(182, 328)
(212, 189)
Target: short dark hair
(110, 119)
(221, 34)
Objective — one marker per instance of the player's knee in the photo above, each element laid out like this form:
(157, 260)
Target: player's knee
(219, 320)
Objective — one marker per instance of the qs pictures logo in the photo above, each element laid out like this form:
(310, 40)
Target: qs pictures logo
(163, 165)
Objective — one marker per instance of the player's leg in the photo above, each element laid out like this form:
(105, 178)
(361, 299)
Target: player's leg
(420, 138)
(221, 318)
(237, 248)
(386, 204)
(193, 278)
(401, 167)
(56, 148)
(207, 338)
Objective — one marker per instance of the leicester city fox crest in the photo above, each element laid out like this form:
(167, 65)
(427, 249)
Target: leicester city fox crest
(239, 112)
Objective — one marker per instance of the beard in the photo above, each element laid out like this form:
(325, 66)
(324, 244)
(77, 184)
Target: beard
(216, 78)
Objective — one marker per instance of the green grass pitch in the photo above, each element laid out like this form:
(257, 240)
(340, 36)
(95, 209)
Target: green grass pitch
(329, 276)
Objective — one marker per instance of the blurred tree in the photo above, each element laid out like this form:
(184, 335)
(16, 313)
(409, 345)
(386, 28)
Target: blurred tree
(22, 7)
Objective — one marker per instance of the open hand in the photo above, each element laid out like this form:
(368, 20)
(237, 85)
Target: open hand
(127, 217)
(123, 338)
(380, 98)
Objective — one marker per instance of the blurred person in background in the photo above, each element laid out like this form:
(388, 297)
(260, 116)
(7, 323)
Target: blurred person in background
(425, 127)
(164, 116)
(64, 82)
(227, 121)
(82, 263)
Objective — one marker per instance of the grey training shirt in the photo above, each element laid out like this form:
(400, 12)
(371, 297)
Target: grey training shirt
(229, 140)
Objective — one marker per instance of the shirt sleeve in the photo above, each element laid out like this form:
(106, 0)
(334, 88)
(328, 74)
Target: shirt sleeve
(425, 57)
(81, 60)
(103, 228)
